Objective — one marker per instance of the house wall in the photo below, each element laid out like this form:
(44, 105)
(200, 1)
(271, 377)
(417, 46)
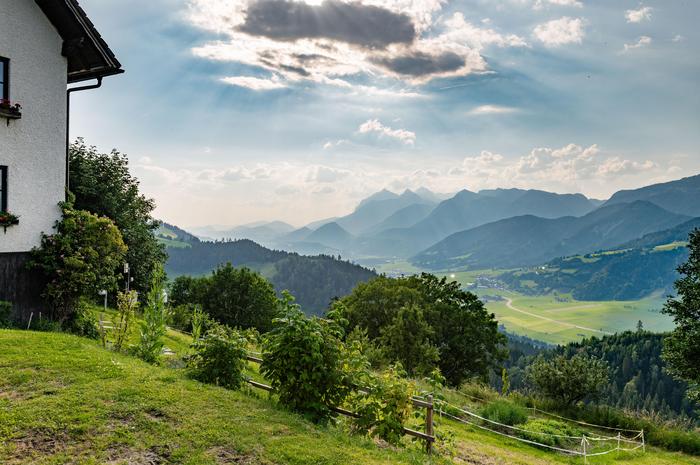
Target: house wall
(33, 147)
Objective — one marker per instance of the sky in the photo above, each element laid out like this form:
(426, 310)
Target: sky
(234, 111)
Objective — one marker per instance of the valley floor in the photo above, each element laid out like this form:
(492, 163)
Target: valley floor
(555, 318)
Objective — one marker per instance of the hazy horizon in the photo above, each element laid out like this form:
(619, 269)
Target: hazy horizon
(230, 115)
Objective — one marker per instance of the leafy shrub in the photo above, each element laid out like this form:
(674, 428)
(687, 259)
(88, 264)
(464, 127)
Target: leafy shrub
(83, 322)
(478, 392)
(181, 317)
(127, 303)
(155, 317)
(199, 321)
(5, 314)
(79, 259)
(218, 358)
(504, 412)
(303, 358)
(568, 380)
(385, 406)
(551, 432)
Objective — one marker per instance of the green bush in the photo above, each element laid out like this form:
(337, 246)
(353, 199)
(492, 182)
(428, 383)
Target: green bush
(181, 317)
(5, 314)
(548, 428)
(218, 358)
(385, 406)
(82, 257)
(127, 304)
(304, 358)
(155, 317)
(504, 412)
(83, 322)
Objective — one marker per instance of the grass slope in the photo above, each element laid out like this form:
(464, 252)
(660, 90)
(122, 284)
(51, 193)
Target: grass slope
(64, 399)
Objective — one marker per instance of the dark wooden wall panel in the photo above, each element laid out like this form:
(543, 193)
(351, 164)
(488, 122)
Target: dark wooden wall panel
(20, 286)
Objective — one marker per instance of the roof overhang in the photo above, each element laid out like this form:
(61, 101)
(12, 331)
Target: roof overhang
(89, 56)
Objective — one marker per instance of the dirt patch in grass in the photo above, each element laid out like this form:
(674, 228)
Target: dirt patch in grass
(156, 455)
(225, 456)
(37, 443)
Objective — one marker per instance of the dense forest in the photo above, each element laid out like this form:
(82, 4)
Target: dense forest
(638, 380)
(313, 281)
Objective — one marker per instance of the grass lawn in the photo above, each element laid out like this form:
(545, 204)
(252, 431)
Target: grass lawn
(64, 399)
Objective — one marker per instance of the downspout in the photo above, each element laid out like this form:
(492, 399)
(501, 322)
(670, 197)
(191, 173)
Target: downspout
(68, 93)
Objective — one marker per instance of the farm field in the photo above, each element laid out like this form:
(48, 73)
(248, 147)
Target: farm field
(558, 319)
(548, 319)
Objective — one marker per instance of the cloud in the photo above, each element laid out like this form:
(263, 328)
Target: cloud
(343, 43)
(418, 64)
(376, 127)
(560, 31)
(539, 4)
(637, 16)
(326, 174)
(353, 23)
(643, 41)
(491, 110)
(545, 167)
(254, 83)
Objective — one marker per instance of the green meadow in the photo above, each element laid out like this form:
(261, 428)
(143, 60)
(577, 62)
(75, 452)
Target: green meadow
(556, 318)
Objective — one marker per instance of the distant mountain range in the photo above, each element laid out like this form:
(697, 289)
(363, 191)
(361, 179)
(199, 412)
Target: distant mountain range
(493, 228)
(529, 240)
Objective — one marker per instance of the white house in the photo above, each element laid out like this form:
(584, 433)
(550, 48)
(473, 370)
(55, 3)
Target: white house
(45, 45)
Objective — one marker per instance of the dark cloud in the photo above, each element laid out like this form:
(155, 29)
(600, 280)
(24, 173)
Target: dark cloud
(354, 23)
(421, 64)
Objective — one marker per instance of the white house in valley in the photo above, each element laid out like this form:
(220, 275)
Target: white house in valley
(45, 46)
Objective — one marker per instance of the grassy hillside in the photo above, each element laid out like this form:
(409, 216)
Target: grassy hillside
(64, 399)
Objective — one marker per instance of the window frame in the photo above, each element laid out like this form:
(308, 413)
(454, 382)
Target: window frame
(3, 188)
(5, 91)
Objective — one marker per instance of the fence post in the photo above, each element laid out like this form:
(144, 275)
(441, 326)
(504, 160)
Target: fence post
(30, 320)
(644, 447)
(583, 445)
(429, 424)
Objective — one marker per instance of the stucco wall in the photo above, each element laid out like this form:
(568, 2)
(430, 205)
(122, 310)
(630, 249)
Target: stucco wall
(33, 147)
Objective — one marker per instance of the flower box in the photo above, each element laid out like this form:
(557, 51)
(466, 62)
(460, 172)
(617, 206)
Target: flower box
(10, 110)
(7, 219)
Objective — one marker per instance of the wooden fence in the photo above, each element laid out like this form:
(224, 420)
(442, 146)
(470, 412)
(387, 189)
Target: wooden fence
(428, 436)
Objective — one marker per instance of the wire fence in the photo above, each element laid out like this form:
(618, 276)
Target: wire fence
(585, 445)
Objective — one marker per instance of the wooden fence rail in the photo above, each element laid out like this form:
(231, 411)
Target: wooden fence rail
(428, 436)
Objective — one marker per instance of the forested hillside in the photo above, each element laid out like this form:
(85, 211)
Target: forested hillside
(631, 271)
(638, 379)
(314, 281)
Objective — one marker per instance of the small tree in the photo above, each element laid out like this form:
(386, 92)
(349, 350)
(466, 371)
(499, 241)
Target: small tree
(303, 358)
(155, 318)
(682, 346)
(568, 380)
(219, 357)
(127, 304)
(82, 257)
(385, 405)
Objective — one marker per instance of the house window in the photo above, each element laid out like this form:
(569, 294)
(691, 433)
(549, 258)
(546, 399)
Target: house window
(3, 188)
(4, 78)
